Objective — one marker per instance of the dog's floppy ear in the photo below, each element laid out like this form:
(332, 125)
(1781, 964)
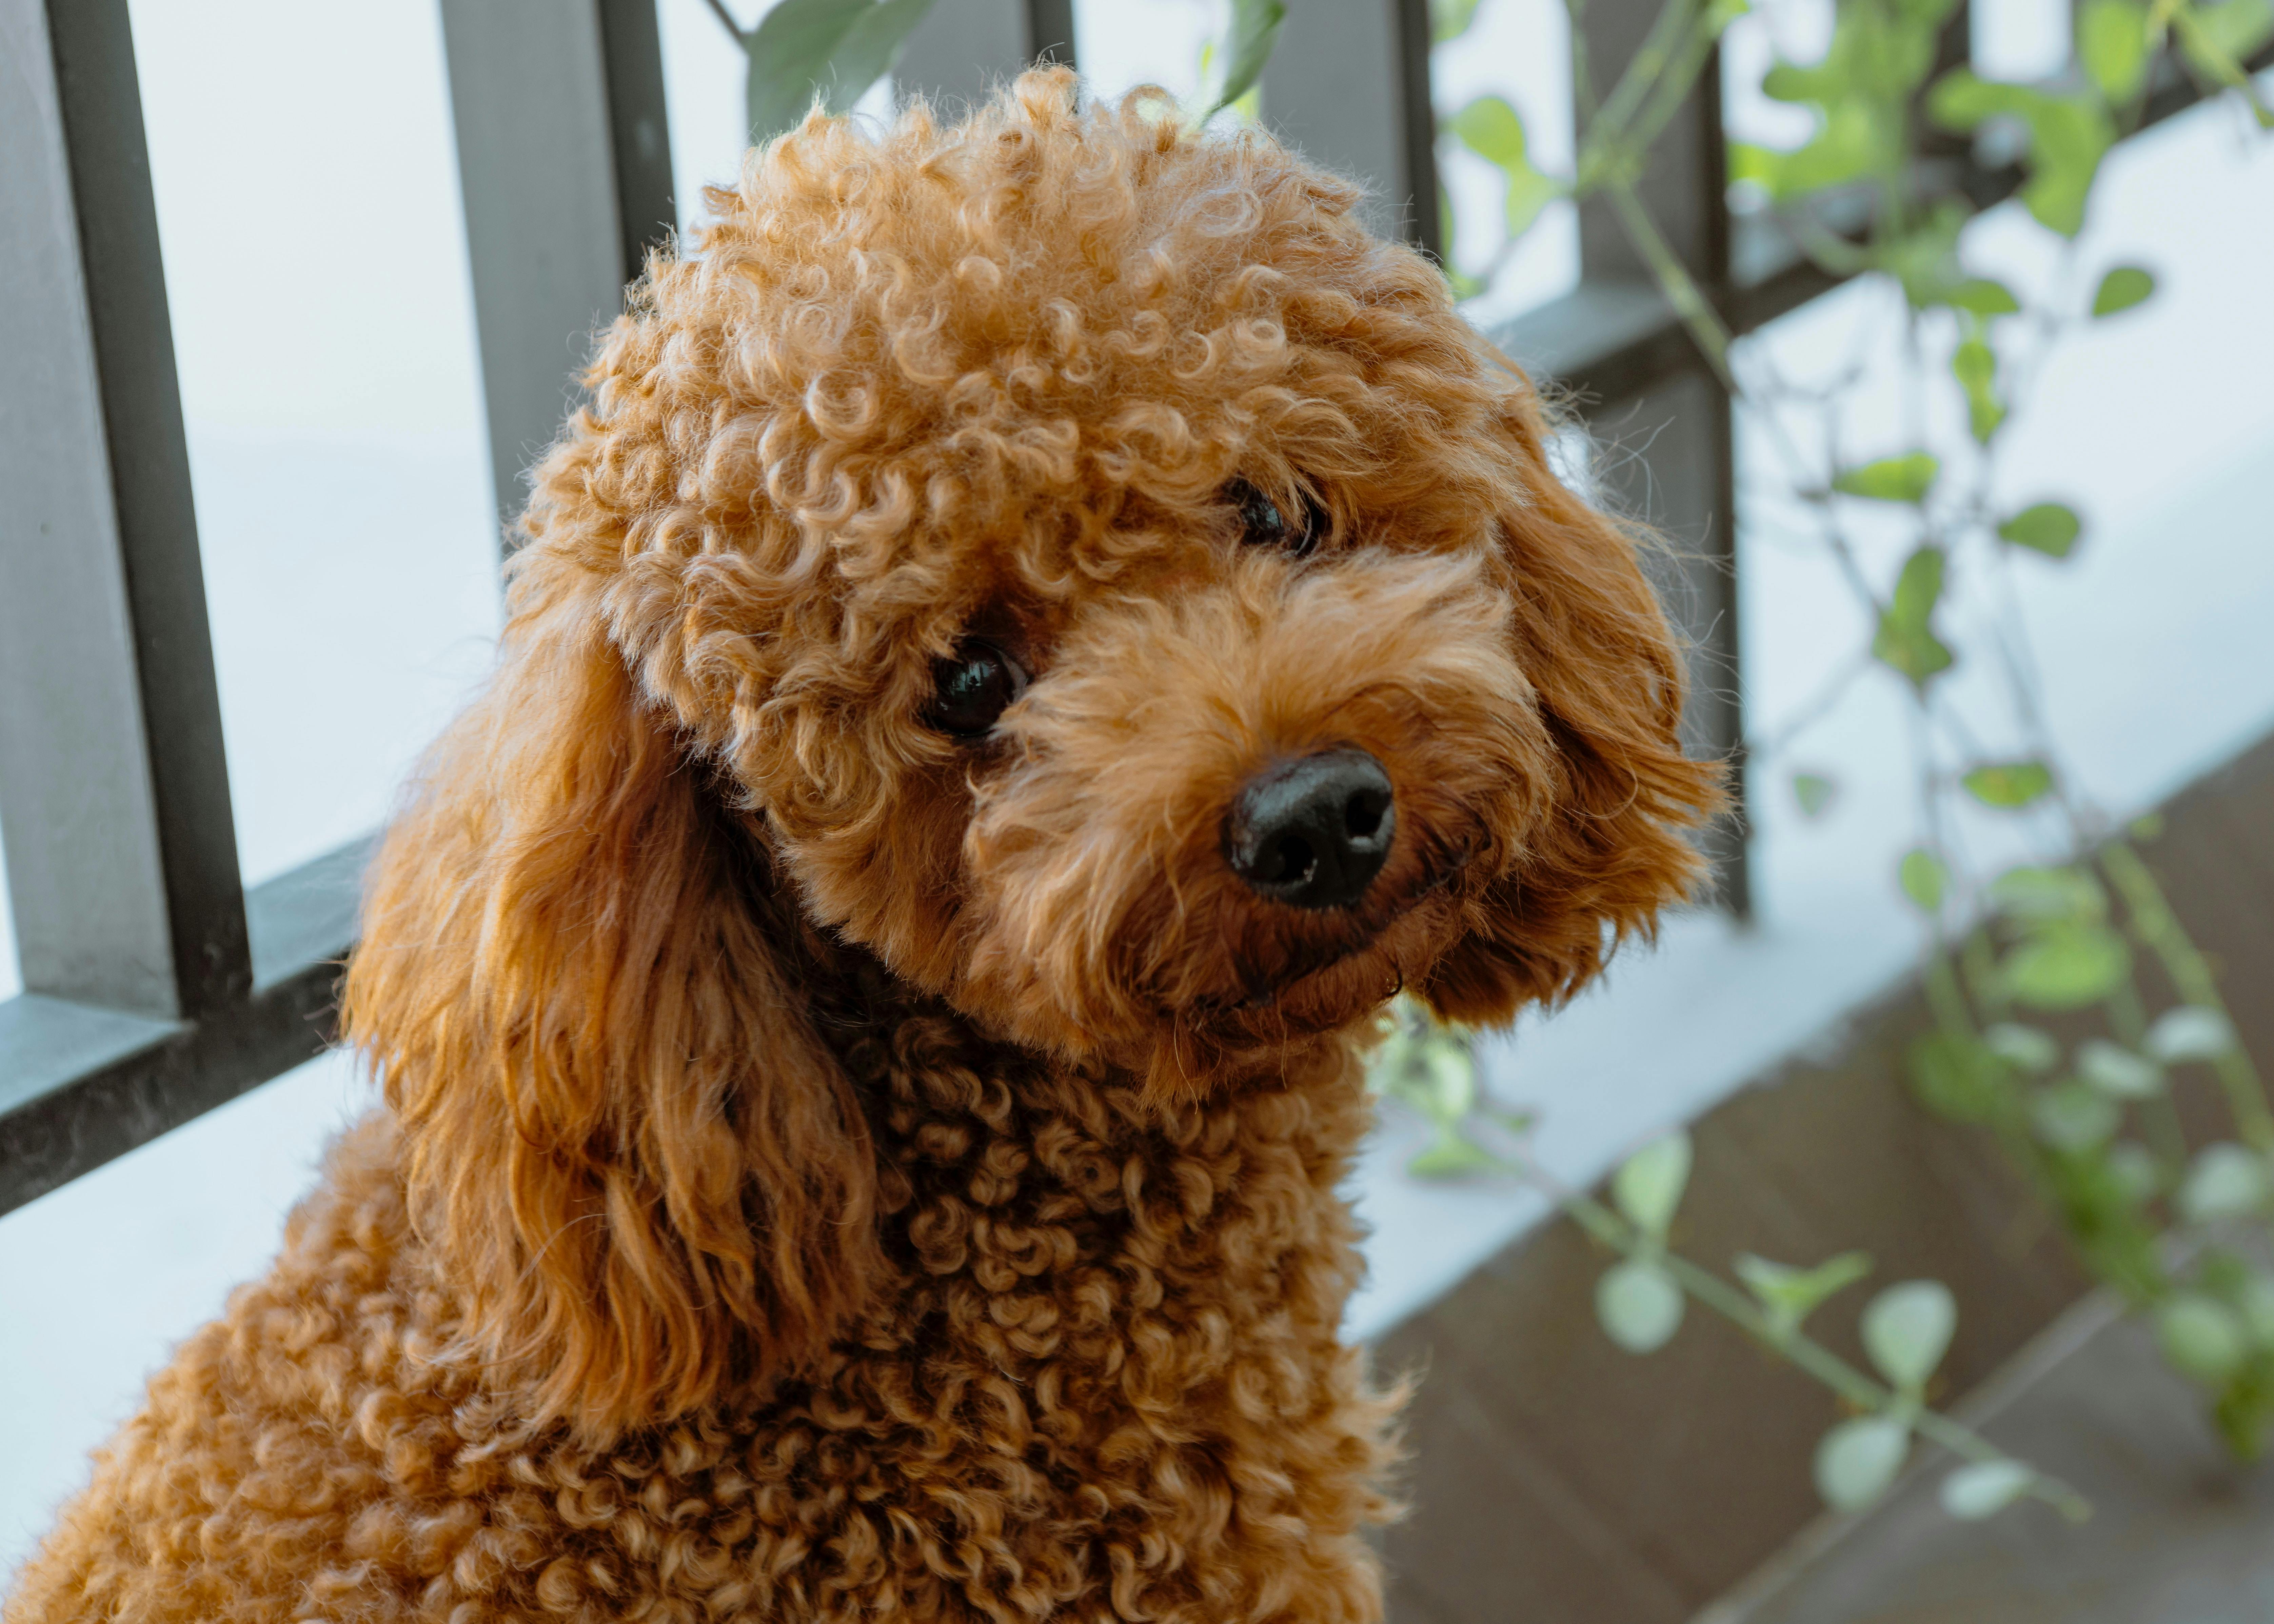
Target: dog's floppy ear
(648, 1179)
(1610, 847)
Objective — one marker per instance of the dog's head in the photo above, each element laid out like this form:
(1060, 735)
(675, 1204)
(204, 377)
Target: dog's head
(1066, 558)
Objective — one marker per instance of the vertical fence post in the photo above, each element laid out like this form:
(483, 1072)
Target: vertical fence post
(114, 785)
(1682, 479)
(564, 160)
(1348, 84)
(963, 49)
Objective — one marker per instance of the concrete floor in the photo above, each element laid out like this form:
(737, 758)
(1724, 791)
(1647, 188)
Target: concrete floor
(2179, 1535)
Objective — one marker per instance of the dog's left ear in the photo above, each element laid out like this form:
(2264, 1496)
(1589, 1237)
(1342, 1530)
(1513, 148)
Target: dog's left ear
(648, 1182)
(1610, 847)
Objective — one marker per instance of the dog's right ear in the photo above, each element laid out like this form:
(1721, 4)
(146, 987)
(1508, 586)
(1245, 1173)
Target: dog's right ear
(650, 1182)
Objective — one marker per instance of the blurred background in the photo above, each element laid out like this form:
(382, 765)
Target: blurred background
(346, 468)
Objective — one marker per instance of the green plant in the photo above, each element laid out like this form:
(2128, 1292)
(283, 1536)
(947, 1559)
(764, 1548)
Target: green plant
(2090, 1118)
(1640, 1299)
(801, 50)
(833, 50)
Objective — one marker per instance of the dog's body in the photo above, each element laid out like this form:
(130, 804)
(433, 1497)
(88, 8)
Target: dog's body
(1045, 626)
(1104, 1385)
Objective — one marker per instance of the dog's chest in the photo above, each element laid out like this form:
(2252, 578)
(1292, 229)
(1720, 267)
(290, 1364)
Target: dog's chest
(1108, 1382)
(1045, 1222)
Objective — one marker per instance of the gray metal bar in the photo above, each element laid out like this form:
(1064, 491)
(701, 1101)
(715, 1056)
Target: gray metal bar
(631, 59)
(1687, 178)
(1685, 421)
(80, 1084)
(963, 49)
(1664, 456)
(114, 782)
(544, 232)
(1349, 86)
(1050, 31)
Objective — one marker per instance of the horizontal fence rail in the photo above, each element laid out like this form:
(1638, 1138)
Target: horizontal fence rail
(156, 986)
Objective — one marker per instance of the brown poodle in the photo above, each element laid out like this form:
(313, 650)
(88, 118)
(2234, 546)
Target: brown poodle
(1044, 626)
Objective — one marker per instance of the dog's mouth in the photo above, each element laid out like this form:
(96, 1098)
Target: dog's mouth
(1329, 971)
(1304, 968)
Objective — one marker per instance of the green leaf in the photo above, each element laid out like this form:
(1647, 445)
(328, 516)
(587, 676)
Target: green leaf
(1892, 479)
(1980, 296)
(2190, 1032)
(1638, 1305)
(1862, 90)
(1907, 1329)
(2050, 528)
(1787, 1296)
(2111, 42)
(1648, 1185)
(2035, 897)
(2069, 139)
(1984, 1488)
(1813, 791)
(2117, 1071)
(1237, 63)
(1975, 366)
(2008, 784)
(1452, 1155)
(1957, 1078)
(1463, 285)
(1924, 879)
(2226, 1181)
(836, 48)
(1450, 20)
(2201, 1337)
(2254, 1300)
(2101, 1205)
(2235, 28)
(2025, 1049)
(2216, 39)
(2068, 136)
(1450, 1076)
(2138, 1176)
(2121, 289)
(2067, 967)
(1494, 130)
(2073, 1118)
(1859, 1459)
(1905, 639)
(1924, 259)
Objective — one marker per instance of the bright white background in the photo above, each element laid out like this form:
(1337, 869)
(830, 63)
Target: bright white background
(310, 216)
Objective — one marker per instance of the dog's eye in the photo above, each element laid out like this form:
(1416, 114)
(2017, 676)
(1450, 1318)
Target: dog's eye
(1263, 524)
(972, 687)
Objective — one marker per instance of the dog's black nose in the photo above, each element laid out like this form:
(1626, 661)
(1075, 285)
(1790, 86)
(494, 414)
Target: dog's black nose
(1312, 832)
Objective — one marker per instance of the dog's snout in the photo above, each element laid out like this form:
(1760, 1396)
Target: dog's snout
(1312, 833)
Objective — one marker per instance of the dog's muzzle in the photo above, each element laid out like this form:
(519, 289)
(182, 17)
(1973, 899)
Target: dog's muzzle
(1312, 833)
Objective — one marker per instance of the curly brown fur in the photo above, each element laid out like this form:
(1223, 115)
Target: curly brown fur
(833, 1171)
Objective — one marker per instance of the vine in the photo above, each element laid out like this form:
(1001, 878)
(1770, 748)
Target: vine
(2171, 1225)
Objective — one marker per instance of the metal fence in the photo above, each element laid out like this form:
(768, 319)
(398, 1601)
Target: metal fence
(155, 985)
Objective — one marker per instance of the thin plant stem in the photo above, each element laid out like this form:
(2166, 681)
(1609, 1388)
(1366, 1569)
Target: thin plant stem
(727, 21)
(1812, 710)
(1810, 1356)
(1658, 48)
(1681, 289)
(2159, 929)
